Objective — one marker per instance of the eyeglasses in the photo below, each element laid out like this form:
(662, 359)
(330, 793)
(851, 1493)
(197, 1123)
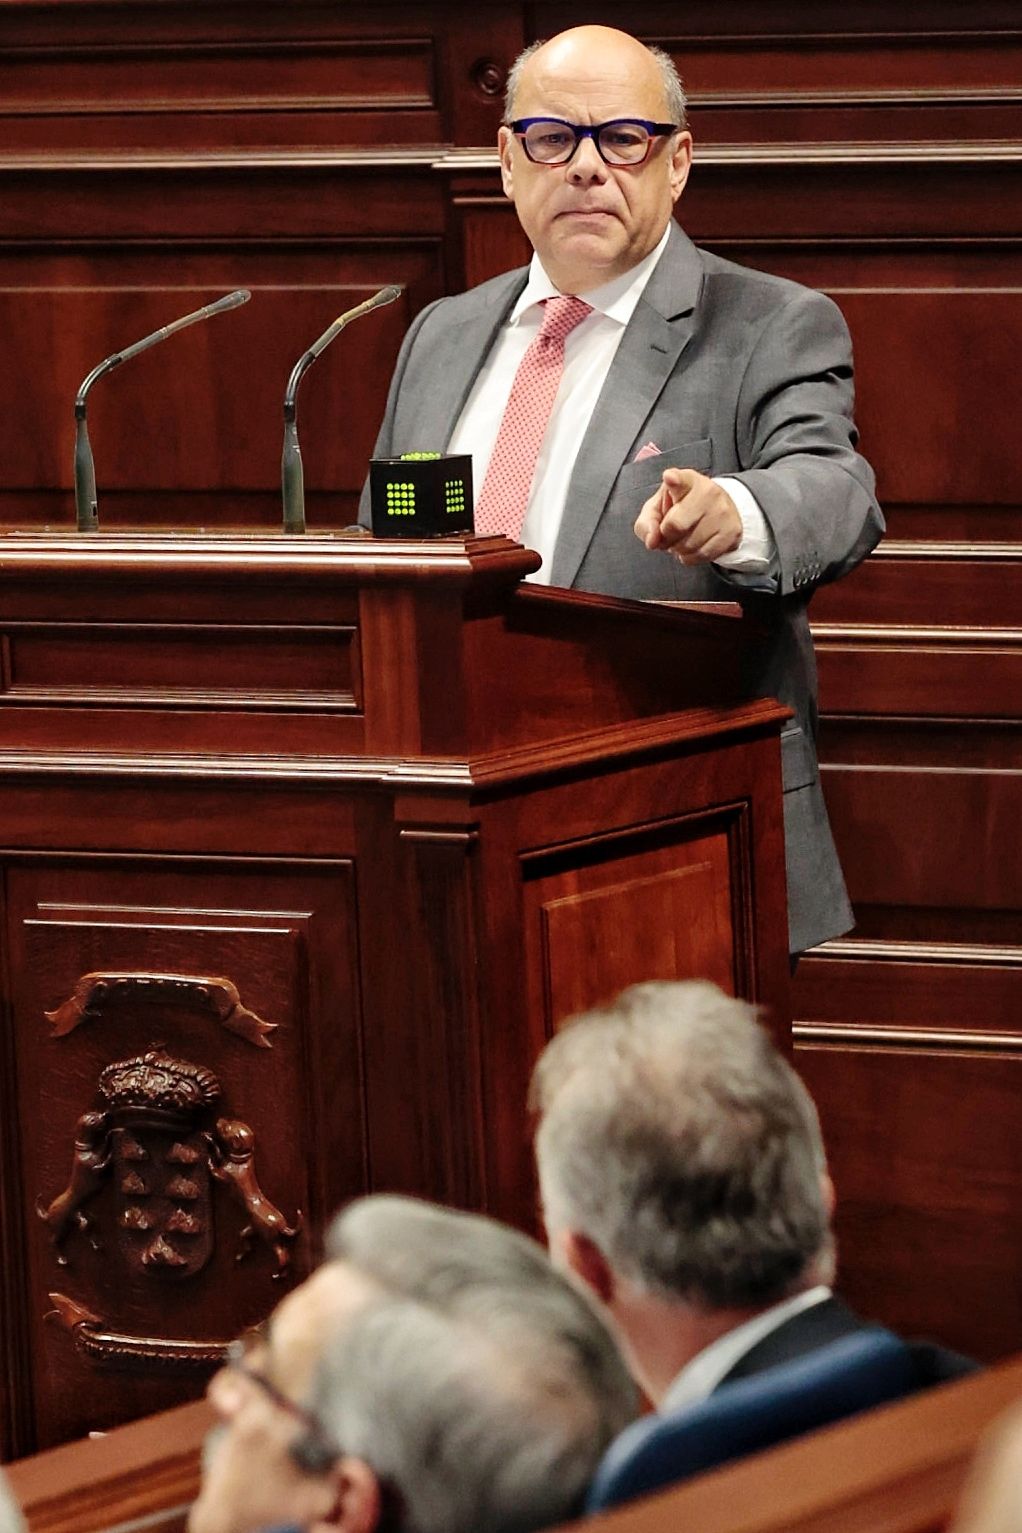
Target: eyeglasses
(314, 1451)
(624, 141)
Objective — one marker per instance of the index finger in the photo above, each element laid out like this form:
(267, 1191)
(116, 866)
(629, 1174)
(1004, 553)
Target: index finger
(647, 523)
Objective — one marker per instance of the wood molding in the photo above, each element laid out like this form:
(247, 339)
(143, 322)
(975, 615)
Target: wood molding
(451, 838)
(922, 96)
(639, 741)
(907, 634)
(975, 553)
(131, 162)
(870, 950)
(933, 155)
(854, 1035)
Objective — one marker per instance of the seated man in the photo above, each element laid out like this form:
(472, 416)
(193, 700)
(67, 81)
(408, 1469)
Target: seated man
(683, 1178)
(437, 1375)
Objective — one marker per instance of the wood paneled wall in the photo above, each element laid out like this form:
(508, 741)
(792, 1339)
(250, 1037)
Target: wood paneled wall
(154, 154)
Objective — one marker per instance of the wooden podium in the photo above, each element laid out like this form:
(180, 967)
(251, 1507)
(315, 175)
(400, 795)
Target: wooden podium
(308, 845)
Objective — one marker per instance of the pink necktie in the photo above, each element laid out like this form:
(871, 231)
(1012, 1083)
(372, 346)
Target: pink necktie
(505, 494)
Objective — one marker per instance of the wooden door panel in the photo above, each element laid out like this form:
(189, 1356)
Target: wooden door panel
(194, 1030)
(663, 913)
(927, 1161)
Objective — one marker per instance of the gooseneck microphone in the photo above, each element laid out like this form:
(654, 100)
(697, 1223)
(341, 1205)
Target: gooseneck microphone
(85, 468)
(292, 479)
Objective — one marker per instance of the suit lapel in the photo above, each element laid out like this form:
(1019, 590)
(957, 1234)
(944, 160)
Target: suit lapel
(654, 339)
(459, 356)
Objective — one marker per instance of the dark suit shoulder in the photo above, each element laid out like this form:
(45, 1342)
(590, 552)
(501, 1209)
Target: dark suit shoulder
(935, 1364)
(811, 1328)
(829, 1321)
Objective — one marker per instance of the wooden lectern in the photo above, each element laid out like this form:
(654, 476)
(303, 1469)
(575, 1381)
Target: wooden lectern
(309, 844)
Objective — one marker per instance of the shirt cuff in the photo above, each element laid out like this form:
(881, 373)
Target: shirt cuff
(756, 554)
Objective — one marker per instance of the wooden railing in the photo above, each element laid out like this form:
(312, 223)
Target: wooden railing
(145, 1475)
(895, 1470)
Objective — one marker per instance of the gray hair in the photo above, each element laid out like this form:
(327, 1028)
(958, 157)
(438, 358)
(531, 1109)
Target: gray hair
(481, 1387)
(11, 1520)
(675, 101)
(675, 1136)
(433, 1254)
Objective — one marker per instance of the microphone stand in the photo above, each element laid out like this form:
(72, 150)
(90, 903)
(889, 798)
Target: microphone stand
(85, 468)
(292, 478)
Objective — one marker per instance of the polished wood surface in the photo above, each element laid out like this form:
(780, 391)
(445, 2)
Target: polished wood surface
(309, 846)
(147, 1472)
(899, 1469)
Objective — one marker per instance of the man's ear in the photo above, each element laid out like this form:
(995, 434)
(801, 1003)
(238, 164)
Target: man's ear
(829, 1195)
(505, 144)
(357, 1501)
(681, 164)
(585, 1259)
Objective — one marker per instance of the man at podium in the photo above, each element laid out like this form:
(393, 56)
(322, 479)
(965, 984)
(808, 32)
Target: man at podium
(658, 423)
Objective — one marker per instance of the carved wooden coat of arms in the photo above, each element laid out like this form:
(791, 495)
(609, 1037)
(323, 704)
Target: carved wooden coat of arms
(150, 1159)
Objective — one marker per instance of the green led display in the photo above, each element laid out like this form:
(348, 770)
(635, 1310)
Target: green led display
(421, 495)
(454, 497)
(400, 498)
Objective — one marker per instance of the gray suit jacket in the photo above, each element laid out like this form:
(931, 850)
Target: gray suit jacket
(728, 371)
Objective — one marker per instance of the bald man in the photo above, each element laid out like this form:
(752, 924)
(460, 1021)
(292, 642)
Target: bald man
(700, 444)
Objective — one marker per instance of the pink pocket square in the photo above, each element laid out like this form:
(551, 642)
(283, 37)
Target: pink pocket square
(650, 450)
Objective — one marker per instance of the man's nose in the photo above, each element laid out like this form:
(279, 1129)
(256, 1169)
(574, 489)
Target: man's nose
(585, 165)
(225, 1392)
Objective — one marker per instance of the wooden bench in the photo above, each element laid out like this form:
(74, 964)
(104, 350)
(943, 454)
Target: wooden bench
(895, 1470)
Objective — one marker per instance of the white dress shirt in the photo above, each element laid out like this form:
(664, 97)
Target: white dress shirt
(699, 1378)
(588, 353)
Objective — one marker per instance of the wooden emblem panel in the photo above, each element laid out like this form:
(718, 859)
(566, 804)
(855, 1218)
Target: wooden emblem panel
(187, 1050)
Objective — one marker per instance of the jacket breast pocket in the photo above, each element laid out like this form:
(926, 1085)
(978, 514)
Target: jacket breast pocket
(642, 477)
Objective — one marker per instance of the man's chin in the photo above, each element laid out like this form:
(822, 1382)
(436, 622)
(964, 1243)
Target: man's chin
(201, 1518)
(209, 1513)
(211, 1445)
(217, 1512)
(590, 232)
(586, 260)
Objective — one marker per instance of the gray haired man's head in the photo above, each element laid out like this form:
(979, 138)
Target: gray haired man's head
(480, 1386)
(675, 1137)
(434, 1375)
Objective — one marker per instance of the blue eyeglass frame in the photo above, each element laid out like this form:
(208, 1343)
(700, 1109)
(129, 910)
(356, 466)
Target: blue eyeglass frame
(521, 125)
